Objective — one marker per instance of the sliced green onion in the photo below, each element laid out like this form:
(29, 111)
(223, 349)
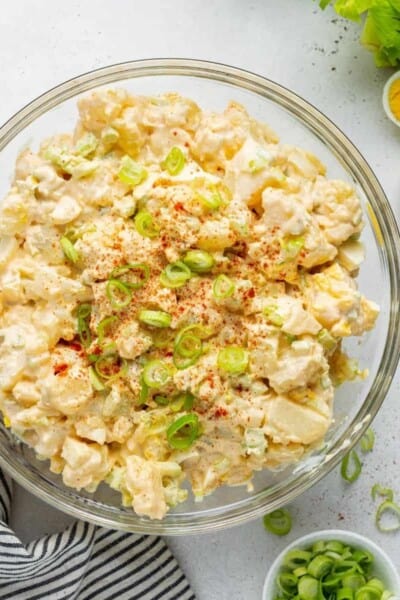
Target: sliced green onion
(162, 338)
(86, 145)
(223, 287)
(388, 509)
(378, 490)
(156, 373)
(118, 294)
(345, 593)
(84, 312)
(368, 593)
(351, 474)
(174, 161)
(109, 135)
(326, 340)
(233, 359)
(320, 566)
(287, 583)
(137, 274)
(363, 558)
(155, 318)
(95, 381)
(353, 581)
(318, 546)
(367, 441)
(273, 316)
(110, 366)
(175, 275)
(131, 172)
(260, 162)
(183, 432)
(145, 225)
(335, 546)
(103, 326)
(278, 522)
(161, 400)
(292, 246)
(297, 558)
(69, 249)
(213, 201)
(199, 261)
(143, 392)
(188, 347)
(377, 583)
(183, 401)
(309, 588)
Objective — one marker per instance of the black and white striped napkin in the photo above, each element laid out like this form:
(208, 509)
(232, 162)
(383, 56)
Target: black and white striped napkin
(86, 562)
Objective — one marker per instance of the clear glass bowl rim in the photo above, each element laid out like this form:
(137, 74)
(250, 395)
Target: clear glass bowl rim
(385, 226)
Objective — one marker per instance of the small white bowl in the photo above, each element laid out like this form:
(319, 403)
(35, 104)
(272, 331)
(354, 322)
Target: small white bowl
(385, 98)
(383, 565)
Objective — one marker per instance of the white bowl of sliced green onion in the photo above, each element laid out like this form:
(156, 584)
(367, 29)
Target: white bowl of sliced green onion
(332, 565)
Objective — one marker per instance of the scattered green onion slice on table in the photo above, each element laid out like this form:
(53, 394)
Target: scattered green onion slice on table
(131, 172)
(278, 522)
(69, 249)
(156, 373)
(183, 432)
(135, 275)
(367, 441)
(145, 225)
(84, 312)
(223, 287)
(351, 467)
(386, 509)
(328, 570)
(118, 293)
(378, 490)
(174, 161)
(199, 261)
(104, 325)
(175, 275)
(155, 318)
(233, 359)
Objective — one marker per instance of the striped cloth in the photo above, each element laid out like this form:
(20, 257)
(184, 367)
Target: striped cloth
(86, 562)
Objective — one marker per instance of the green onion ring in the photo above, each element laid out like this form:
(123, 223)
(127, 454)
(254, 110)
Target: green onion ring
(69, 249)
(115, 286)
(156, 373)
(183, 432)
(175, 275)
(351, 475)
(155, 318)
(223, 287)
(278, 522)
(174, 161)
(143, 274)
(144, 224)
(233, 359)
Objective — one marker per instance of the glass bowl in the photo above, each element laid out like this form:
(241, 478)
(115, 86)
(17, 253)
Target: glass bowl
(297, 122)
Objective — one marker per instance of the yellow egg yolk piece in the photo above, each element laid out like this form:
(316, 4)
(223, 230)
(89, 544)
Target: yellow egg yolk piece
(394, 98)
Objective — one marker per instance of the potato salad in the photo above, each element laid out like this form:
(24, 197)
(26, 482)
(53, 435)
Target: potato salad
(175, 286)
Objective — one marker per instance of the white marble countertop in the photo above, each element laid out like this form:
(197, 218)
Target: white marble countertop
(295, 44)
